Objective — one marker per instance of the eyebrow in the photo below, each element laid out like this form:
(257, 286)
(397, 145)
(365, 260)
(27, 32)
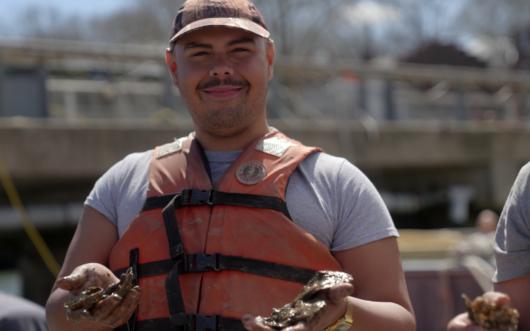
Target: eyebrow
(232, 43)
(241, 41)
(195, 45)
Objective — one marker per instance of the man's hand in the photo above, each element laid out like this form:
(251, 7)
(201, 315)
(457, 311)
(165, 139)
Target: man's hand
(463, 323)
(111, 312)
(334, 310)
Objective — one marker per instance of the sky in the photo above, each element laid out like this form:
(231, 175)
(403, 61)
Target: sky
(11, 9)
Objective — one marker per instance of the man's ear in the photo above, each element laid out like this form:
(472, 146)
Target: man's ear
(270, 57)
(172, 66)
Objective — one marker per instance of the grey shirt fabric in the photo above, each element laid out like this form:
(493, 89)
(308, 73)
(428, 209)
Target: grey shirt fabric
(326, 196)
(512, 239)
(18, 314)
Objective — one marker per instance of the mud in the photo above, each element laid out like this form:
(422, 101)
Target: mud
(91, 296)
(307, 304)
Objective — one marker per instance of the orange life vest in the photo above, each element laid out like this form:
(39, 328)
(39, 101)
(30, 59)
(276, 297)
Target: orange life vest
(205, 257)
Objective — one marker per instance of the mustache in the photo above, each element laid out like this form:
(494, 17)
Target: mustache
(214, 82)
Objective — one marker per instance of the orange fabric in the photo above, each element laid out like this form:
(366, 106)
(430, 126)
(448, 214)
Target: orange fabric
(248, 232)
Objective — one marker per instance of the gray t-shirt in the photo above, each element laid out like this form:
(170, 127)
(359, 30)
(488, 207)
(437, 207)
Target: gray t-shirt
(327, 196)
(512, 239)
(18, 314)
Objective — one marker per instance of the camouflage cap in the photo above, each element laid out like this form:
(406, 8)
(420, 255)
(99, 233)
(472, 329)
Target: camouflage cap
(197, 14)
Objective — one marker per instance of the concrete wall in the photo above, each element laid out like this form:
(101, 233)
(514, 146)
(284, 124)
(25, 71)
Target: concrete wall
(48, 150)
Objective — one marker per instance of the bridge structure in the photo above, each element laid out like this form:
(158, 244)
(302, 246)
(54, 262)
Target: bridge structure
(439, 143)
(427, 136)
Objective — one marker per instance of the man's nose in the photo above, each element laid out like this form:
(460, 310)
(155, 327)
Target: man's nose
(221, 70)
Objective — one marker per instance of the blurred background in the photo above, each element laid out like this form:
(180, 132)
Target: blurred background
(429, 98)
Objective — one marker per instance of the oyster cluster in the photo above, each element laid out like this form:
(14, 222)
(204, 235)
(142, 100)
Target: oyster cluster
(490, 316)
(92, 295)
(307, 304)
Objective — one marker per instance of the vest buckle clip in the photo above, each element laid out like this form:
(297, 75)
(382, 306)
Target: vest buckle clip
(202, 262)
(195, 197)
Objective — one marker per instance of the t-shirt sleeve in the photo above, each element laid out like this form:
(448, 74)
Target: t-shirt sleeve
(117, 184)
(512, 239)
(362, 215)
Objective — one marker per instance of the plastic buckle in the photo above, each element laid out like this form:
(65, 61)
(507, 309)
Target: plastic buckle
(195, 197)
(202, 262)
(204, 322)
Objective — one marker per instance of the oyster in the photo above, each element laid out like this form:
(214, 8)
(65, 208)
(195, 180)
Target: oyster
(490, 316)
(91, 296)
(123, 286)
(307, 304)
(86, 299)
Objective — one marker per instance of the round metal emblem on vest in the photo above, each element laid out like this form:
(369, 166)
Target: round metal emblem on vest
(251, 173)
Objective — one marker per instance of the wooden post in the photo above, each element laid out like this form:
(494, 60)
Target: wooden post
(461, 107)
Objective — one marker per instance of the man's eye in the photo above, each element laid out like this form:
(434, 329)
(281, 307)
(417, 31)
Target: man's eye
(200, 54)
(240, 50)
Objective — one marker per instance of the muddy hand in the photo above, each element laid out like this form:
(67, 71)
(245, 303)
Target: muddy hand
(85, 276)
(111, 312)
(462, 321)
(335, 309)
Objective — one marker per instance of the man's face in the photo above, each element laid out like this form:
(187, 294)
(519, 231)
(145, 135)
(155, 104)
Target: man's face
(222, 74)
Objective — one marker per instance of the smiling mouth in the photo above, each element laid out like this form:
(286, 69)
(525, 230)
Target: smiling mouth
(223, 92)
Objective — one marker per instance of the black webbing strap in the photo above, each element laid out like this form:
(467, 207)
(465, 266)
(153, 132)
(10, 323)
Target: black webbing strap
(151, 269)
(178, 317)
(202, 263)
(205, 162)
(194, 197)
(176, 249)
(133, 263)
(195, 323)
(179, 320)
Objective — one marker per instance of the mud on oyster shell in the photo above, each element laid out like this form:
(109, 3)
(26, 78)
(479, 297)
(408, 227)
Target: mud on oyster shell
(306, 305)
(490, 316)
(91, 296)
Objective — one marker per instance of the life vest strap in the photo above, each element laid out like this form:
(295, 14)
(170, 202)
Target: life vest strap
(176, 248)
(133, 263)
(175, 301)
(203, 263)
(195, 197)
(196, 322)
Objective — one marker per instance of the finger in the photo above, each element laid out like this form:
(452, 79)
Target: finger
(104, 308)
(462, 323)
(72, 282)
(471, 327)
(77, 316)
(497, 298)
(250, 323)
(125, 310)
(300, 326)
(338, 292)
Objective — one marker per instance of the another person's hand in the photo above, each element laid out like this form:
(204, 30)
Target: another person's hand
(334, 310)
(463, 323)
(110, 312)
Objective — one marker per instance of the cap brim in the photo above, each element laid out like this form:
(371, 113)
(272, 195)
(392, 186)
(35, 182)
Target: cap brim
(229, 22)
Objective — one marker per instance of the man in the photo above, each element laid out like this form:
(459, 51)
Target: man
(512, 255)
(279, 210)
(480, 243)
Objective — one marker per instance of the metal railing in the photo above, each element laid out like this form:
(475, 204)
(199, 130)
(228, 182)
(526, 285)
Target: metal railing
(96, 80)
